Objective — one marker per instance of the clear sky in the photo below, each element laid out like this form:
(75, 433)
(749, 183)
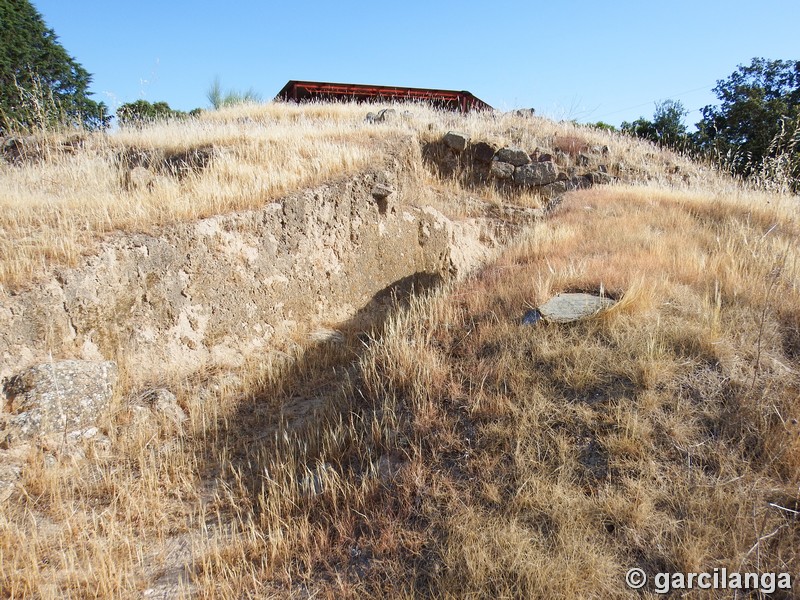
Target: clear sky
(585, 60)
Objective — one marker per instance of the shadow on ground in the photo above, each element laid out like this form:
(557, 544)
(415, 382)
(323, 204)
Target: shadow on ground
(279, 422)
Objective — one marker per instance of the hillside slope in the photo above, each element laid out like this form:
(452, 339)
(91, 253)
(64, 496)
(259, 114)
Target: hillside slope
(432, 445)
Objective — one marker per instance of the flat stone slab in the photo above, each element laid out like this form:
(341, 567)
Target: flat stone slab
(566, 308)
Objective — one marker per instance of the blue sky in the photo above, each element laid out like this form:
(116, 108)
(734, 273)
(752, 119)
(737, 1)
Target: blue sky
(590, 61)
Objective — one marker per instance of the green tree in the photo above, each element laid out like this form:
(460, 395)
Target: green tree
(758, 103)
(41, 85)
(667, 127)
(603, 125)
(141, 112)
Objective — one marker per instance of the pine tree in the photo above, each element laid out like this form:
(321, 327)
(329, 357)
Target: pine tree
(41, 85)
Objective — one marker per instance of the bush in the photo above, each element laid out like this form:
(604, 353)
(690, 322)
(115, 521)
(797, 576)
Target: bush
(219, 99)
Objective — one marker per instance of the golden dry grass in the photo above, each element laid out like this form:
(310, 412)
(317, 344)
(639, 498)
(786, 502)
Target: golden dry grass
(454, 453)
(54, 210)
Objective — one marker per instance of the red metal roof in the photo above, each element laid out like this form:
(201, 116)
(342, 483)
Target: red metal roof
(303, 91)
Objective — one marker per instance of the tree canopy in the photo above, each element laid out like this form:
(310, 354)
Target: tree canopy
(759, 103)
(40, 83)
(142, 112)
(667, 127)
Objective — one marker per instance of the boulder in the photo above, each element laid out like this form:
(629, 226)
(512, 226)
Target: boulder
(539, 173)
(566, 308)
(455, 140)
(384, 115)
(387, 114)
(580, 183)
(551, 190)
(483, 152)
(545, 157)
(57, 397)
(501, 170)
(599, 177)
(513, 156)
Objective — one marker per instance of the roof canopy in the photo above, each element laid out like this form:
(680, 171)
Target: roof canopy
(303, 91)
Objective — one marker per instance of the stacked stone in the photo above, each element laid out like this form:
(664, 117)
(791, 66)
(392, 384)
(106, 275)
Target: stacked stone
(516, 167)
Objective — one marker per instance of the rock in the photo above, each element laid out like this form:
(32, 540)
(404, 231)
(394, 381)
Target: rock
(551, 190)
(545, 158)
(598, 177)
(9, 474)
(483, 152)
(74, 445)
(540, 173)
(566, 308)
(532, 317)
(165, 405)
(381, 190)
(387, 114)
(601, 177)
(501, 170)
(90, 434)
(57, 397)
(580, 183)
(583, 160)
(513, 156)
(384, 115)
(602, 168)
(158, 408)
(455, 140)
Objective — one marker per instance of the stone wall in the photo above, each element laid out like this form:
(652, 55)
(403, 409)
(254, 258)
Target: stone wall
(480, 163)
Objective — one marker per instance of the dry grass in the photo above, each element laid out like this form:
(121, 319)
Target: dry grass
(55, 210)
(452, 452)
